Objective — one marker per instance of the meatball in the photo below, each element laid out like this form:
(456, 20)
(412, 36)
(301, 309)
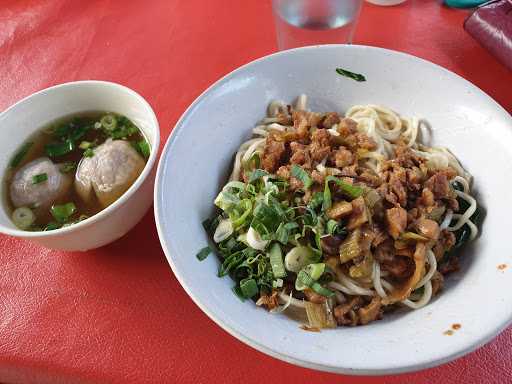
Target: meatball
(109, 172)
(25, 193)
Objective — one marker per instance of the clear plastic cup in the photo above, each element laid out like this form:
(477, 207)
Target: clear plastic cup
(311, 22)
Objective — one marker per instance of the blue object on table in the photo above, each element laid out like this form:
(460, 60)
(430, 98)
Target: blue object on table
(464, 3)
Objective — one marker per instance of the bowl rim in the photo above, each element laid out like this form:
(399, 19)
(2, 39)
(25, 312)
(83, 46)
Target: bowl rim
(470, 346)
(126, 195)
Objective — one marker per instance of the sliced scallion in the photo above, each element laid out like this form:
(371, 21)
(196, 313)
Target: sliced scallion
(23, 217)
(276, 261)
(144, 148)
(351, 75)
(59, 149)
(89, 152)
(301, 175)
(203, 253)
(62, 213)
(39, 178)
(305, 280)
(352, 191)
(85, 145)
(51, 226)
(109, 122)
(256, 175)
(249, 288)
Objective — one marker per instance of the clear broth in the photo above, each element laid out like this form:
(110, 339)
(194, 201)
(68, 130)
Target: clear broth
(46, 135)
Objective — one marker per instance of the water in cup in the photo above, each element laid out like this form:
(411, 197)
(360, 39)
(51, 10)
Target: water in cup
(311, 22)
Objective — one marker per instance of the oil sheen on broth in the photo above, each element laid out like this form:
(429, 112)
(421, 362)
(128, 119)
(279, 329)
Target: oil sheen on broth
(73, 168)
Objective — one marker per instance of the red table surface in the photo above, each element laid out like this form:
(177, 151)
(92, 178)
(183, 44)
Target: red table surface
(118, 314)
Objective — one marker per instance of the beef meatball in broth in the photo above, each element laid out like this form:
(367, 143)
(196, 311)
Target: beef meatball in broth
(25, 193)
(109, 172)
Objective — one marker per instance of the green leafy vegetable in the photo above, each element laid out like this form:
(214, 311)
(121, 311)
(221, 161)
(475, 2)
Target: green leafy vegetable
(301, 175)
(22, 152)
(351, 75)
(62, 213)
(39, 178)
(203, 253)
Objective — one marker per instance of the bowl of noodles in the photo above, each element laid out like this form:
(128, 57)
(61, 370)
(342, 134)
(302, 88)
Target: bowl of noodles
(337, 214)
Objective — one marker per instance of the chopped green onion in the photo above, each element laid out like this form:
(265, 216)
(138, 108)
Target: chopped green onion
(59, 149)
(331, 226)
(301, 175)
(298, 257)
(61, 213)
(249, 288)
(316, 200)
(67, 167)
(253, 162)
(22, 152)
(226, 200)
(62, 130)
(351, 75)
(238, 293)
(303, 279)
(256, 175)
(313, 271)
(79, 132)
(51, 226)
(39, 178)
(284, 230)
(268, 215)
(352, 191)
(203, 253)
(276, 261)
(239, 219)
(89, 152)
(109, 122)
(23, 217)
(85, 145)
(211, 224)
(144, 148)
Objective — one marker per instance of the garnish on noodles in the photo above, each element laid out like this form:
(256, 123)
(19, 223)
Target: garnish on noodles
(341, 217)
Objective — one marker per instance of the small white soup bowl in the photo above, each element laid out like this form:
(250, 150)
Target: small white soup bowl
(25, 117)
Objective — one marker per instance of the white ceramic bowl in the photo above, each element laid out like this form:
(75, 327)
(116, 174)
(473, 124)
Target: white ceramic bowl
(199, 154)
(19, 121)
